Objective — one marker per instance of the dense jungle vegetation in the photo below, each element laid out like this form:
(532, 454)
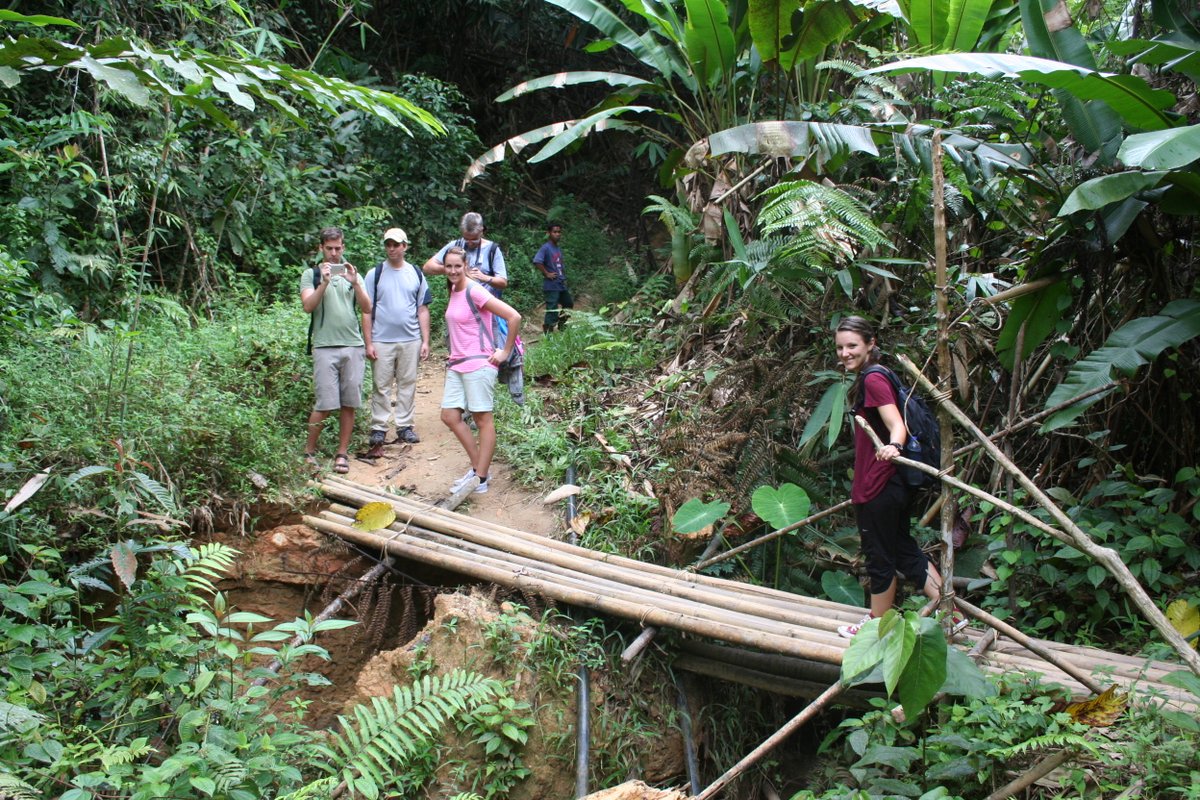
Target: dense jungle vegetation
(734, 177)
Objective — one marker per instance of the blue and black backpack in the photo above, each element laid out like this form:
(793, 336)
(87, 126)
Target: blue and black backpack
(924, 433)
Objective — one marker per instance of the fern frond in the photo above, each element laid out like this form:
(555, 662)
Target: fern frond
(317, 790)
(154, 490)
(1056, 741)
(673, 216)
(13, 788)
(211, 562)
(389, 730)
(823, 224)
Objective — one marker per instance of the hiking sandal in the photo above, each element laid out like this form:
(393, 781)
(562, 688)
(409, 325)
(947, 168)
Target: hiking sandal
(341, 463)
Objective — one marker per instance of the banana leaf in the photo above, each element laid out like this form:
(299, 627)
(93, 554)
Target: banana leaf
(560, 79)
(1170, 149)
(519, 142)
(1127, 95)
(709, 40)
(1134, 344)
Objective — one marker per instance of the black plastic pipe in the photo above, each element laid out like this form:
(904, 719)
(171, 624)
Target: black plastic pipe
(583, 719)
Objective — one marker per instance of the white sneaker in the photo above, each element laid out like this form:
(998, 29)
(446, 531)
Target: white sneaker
(461, 482)
(849, 631)
(481, 488)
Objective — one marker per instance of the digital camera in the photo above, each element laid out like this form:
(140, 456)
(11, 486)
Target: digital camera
(337, 269)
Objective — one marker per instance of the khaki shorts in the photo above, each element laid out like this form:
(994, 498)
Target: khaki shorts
(338, 377)
(471, 391)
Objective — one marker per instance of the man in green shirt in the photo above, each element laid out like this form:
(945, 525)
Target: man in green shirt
(338, 354)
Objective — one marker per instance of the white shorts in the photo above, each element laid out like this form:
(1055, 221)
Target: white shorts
(470, 391)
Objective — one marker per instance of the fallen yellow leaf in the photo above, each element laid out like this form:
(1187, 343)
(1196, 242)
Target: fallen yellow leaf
(374, 516)
(1101, 711)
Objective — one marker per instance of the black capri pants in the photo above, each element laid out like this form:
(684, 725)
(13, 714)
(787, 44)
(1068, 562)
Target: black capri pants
(883, 525)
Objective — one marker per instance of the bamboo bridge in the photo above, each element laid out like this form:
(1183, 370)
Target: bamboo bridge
(769, 638)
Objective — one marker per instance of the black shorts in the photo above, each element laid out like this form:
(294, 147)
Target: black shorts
(890, 550)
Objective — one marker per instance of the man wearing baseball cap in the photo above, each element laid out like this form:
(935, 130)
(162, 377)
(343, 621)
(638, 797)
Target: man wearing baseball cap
(396, 334)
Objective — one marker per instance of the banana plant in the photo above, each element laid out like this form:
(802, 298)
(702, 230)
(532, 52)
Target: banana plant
(702, 61)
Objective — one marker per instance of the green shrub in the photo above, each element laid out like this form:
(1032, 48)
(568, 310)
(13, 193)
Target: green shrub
(198, 407)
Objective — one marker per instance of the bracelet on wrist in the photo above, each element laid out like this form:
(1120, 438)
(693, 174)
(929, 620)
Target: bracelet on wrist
(897, 446)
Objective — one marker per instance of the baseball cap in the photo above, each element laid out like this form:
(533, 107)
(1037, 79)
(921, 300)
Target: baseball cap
(395, 235)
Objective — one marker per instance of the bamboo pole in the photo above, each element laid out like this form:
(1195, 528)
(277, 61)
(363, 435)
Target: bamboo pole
(802, 627)
(1029, 643)
(436, 555)
(945, 369)
(434, 518)
(1075, 535)
(728, 554)
(792, 687)
(571, 566)
(794, 724)
(1038, 771)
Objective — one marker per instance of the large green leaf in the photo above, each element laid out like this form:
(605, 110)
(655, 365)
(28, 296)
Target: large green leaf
(1051, 34)
(1171, 52)
(709, 39)
(965, 20)
(1129, 96)
(780, 507)
(928, 21)
(582, 128)
(841, 587)
(925, 668)
(770, 21)
(1099, 192)
(695, 515)
(561, 79)
(41, 20)
(897, 645)
(814, 28)
(1040, 312)
(642, 47)
(1170, 149)
(519, 142)
(1129, 347)
(826, 416)
(778, 138)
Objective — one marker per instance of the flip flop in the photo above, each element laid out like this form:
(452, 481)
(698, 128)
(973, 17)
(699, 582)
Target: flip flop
(341, 463)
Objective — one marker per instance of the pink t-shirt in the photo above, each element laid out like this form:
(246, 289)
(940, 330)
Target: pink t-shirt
(870, 476)
(466, 339)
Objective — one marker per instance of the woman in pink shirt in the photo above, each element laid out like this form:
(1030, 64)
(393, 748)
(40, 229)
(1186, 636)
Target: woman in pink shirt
(881, 498)
(475, 356)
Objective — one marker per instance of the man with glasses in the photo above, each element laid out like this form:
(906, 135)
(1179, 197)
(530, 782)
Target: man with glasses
(485, 261)
(396, 334)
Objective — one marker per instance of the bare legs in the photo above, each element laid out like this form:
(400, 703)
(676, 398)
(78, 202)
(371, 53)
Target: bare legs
(480, 453)
(345, 429)
(880, 603)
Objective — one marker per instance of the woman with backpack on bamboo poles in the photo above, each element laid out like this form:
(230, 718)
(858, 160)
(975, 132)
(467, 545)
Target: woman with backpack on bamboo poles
(880, 496)
(474, 360)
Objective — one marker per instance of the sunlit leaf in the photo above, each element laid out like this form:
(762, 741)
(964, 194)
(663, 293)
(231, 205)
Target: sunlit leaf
(124, 561)
(561, 493)
(1185, 618)
(374, 516)
(694, 515)
(27, 491)
(1101, 711)
(780, 507)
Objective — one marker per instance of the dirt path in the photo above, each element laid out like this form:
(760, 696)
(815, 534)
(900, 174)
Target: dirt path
(427, 469)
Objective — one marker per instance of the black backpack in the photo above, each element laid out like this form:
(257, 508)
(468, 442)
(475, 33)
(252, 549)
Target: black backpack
(924, 433)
